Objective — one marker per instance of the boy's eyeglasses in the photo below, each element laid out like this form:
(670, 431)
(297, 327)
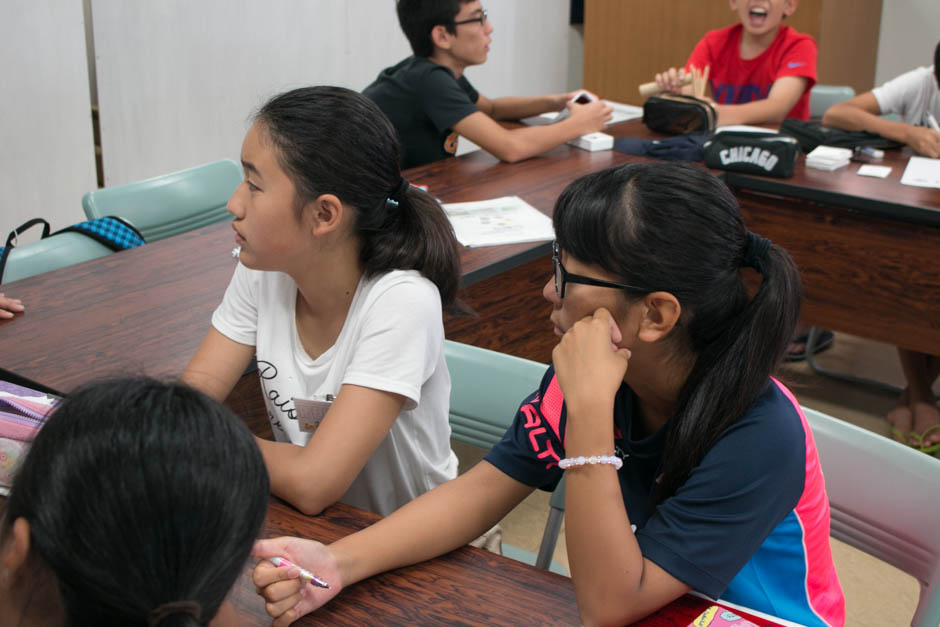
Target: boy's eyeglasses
(563, 277)
(481, 19)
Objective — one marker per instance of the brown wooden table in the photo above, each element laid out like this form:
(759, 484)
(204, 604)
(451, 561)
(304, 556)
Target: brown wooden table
(866, 248)
(468, 586)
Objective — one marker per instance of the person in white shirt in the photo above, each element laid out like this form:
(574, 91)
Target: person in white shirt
(343, 270)
(915, 97)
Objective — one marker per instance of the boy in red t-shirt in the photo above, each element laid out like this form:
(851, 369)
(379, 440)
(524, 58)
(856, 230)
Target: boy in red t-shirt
(760, 70)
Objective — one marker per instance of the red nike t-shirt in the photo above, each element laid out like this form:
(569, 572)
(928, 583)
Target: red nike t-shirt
(734, 80)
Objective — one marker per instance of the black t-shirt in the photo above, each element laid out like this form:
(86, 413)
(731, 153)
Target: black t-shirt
(423, 100)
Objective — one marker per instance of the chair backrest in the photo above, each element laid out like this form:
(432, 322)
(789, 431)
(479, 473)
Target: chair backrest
(884, 499)
(486, 389)
(821, 97)
(172, 203)
(51, 253)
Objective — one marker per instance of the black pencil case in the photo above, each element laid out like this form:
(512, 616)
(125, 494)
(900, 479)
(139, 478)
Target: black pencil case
(769, 154)
(678, 114)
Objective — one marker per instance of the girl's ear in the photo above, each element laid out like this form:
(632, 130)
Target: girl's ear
(13, 552)
(660, 315)
(327, 212)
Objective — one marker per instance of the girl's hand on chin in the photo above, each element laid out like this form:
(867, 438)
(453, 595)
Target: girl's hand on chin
(589, 364)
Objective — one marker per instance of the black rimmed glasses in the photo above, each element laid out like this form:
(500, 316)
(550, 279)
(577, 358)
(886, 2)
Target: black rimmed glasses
(563, 277)
(480, 18)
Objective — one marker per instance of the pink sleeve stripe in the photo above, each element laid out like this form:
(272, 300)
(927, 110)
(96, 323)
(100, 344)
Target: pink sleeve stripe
(551, 405)
(823, 590)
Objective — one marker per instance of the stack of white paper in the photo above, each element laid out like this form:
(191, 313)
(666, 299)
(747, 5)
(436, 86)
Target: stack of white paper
(621, 113)
(506, 220)
(922, 172)
(828, 158)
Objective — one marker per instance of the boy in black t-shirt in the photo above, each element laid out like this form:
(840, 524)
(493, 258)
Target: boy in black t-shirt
(431, 102)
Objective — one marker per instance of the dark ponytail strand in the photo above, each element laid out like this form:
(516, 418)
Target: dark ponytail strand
(416, 235)
(731, 369)
(332, 140)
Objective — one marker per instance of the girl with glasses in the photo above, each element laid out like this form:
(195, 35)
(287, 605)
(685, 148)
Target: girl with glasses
(343, 269)
(688, 466)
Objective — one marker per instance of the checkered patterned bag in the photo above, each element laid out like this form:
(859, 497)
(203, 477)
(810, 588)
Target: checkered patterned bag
(113, 232)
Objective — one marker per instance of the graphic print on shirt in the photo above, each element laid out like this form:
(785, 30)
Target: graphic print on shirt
(450, 143)
(267, 373)
(729, 93)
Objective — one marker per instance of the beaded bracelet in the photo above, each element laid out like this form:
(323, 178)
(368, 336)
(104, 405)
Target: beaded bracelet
(568, 462)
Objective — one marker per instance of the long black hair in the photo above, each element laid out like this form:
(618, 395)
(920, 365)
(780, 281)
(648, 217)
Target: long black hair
(332, 140)
(140, 494)
(676, 228)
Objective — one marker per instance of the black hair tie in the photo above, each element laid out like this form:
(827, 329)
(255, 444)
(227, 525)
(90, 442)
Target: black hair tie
(394, 198)
(164, 610)
(754, 251)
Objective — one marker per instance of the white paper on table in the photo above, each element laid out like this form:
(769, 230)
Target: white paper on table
(621, 113)
(880, 171)
(922, 172)
(745, 128)
(505, 220)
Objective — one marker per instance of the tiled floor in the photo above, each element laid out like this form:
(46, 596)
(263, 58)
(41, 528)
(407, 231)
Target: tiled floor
(877, 595)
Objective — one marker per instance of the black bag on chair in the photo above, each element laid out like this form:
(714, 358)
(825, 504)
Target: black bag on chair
(677, 114)
(112, 232)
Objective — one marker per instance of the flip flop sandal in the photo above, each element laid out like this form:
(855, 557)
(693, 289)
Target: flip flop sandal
(823, 341)
(918, 439)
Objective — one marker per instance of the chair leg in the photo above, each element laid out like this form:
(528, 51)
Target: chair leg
(841, 376)
(549, 538)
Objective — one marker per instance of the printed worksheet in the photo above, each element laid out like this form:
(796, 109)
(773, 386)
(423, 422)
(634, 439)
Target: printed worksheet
(506, 220)
(922, 172)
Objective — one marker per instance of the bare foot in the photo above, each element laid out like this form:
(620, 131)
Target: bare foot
(926, 417)
(901, 418)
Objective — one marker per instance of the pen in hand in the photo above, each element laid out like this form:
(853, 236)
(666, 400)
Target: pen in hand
(932, 122)
(305, 574)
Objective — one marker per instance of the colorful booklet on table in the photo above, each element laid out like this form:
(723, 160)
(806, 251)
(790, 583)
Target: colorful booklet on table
(23, 411)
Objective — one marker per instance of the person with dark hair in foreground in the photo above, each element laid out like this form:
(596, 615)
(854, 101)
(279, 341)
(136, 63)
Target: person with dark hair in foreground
(431, 103)
(659, 407)
(137, 505)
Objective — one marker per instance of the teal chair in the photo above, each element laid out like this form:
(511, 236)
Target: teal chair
(821, 97)
(51, 253)
(170, 204)
(883, 500)
(487, 388)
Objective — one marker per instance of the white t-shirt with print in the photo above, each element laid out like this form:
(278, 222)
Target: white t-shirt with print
(392, 340)
(911, 95)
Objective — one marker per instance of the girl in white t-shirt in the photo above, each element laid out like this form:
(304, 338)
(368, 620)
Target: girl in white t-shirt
(343, 269)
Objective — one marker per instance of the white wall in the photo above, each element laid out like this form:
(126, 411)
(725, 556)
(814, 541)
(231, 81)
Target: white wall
(47, 156)
(910, 30)
(178, 79)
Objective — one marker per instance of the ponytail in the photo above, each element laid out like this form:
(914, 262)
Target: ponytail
(731, 369)
(676, 228)
(416, 235)
(332, 140)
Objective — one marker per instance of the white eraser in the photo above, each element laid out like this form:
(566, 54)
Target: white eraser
(880, 171)
(593, 142)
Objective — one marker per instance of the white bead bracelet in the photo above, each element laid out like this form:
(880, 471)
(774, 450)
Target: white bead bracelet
(612, 460)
